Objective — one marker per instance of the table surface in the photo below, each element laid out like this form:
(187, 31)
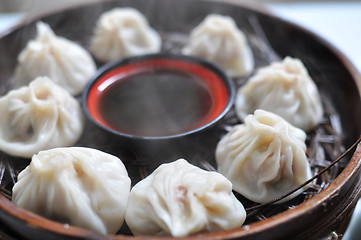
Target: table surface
(338, 22)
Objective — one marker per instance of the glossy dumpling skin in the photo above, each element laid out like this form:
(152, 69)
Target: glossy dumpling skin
(218, 39)
(180, 199)
(286, 89)
(65, 62)
(123, 32)
(79, 186)
(264, 158)
(37, 117)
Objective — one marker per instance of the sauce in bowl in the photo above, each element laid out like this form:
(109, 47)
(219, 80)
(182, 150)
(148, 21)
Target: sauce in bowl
(157, 96)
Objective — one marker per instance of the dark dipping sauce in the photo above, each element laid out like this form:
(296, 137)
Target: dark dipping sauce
(158, 103)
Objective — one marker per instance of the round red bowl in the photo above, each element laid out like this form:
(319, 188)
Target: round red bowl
(158, 96)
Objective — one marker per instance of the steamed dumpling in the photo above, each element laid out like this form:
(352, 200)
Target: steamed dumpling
(286, 89)
(123, 32)
(80, 186)
(180, 199)
(218, 40)
(38, 117)
(65, 62)
(264, 158)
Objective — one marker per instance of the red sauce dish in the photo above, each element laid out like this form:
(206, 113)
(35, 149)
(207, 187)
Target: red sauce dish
(158, 96)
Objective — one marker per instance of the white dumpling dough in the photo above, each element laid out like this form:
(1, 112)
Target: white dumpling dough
(180, 199)
(123, 32)
(218, 40)
(80, 186)
(65, 62)
(286, 89)
(264, 158)
(37, 117)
